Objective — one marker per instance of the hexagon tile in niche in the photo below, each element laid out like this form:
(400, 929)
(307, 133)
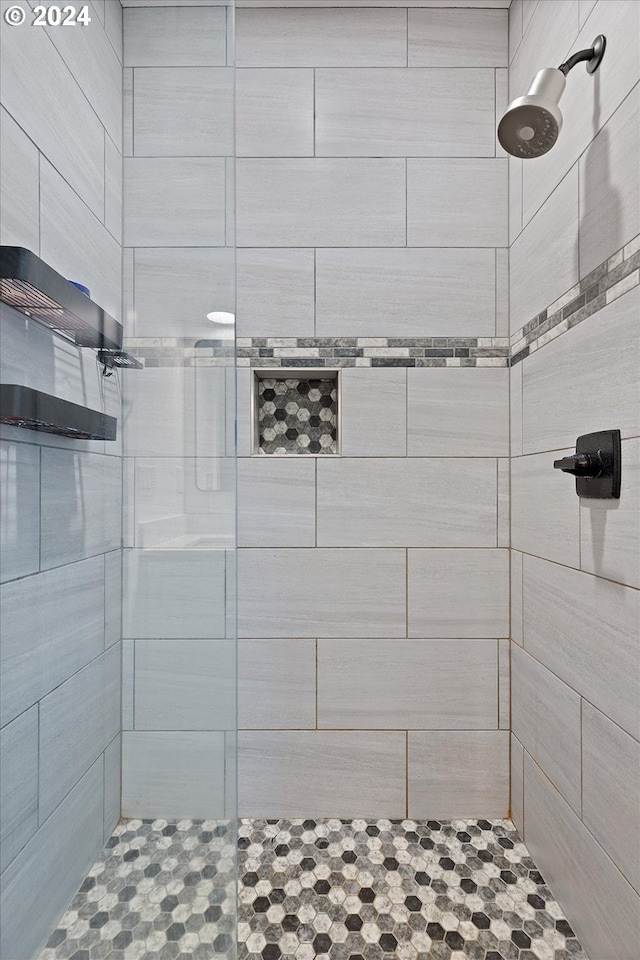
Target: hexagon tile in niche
(297, 415)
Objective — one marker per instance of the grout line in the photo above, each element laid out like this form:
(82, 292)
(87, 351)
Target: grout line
(406, 767)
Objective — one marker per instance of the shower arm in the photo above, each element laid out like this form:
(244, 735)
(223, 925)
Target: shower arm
(593, 55)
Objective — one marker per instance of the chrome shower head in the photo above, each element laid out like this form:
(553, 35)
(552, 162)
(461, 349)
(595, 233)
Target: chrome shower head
(532, 123)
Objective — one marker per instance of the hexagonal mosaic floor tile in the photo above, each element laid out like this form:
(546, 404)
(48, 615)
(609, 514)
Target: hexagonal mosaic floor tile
(332, 889)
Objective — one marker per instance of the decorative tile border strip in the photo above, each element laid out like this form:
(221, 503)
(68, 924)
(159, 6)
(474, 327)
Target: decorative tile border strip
(610, 280)
(328, 352)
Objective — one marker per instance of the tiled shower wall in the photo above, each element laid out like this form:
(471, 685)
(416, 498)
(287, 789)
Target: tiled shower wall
(61, 141)
(373, 587)
(576, 563)
(179, 509)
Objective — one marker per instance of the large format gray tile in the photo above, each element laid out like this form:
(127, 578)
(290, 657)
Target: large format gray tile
(112, 781)
(415, 684)
(516, 596)
(517, 785)
(52, 625)
(347, 773)
(174, 36)
(175, 289)
(610, 186)
(585, 630)
(458, 593)
(18, 784)
(610, 790)
(368, 293)
(81, 506)
(374, 412)
(183, 112)
(457, 203)
(173, 594)
(320, 202)
(335, 593)
(544, 258)
(541, 706)
(317, 37)
(460, 412)
(113, 200)
(78, 152)
(603, 906)
(173, 202)
(112, 598)
(276, 293)
(384, 112)
(458, 774)
(609, 542)
(274, 113)
(19, 186)
(458, 38)
(19, 509)
(276, 684)
(585, 381)
(397, 502)
(49, 870)
(545, 511)
(184, 685)
(77, 722)
(75, 243)
(173, 774)
(276, 502)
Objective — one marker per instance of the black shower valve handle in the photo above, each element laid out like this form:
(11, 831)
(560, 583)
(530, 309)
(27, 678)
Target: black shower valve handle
(581, 464)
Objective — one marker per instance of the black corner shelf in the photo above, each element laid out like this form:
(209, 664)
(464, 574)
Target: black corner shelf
(30, 285)
(24, 407)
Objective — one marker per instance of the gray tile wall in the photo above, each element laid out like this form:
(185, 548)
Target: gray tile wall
(575, 594)
(373, 596)
(178, 668)
(60, 649)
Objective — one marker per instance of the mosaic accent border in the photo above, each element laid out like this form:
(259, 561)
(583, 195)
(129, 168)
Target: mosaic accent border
(608, 281)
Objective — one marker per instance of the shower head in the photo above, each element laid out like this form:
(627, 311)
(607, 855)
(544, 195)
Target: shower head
(532, 123)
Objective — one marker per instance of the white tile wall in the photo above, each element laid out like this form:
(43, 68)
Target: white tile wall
(276, 684)
(183, 112)
(517, 784)
(457, 412)
(406, 502)
(112, 784)
(458, 593)
(172, 202)
(567, 614)
(374, 412)
(404, 293)
(174, 36)
(19, 509)
(53, 624)
(602, 905)
(19, 176)
(416, 684)
(545, 517)
(275, 290)
(18, 784)
(542, 707)
(331, 593)
(312, 773)
(275, 113)
(331, 37)
(458, 38)
(173, 774)
(369, 113)
(443, 779)
(320, 202)
(610, 788)
(276, 502)
(457, 203)
(609, 542)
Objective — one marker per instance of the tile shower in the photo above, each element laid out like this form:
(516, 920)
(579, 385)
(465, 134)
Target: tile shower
(436, 743)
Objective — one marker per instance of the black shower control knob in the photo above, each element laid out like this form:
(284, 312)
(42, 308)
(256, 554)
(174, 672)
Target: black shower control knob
(581, 464)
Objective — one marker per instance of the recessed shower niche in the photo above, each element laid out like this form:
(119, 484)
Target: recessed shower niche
(296, 412)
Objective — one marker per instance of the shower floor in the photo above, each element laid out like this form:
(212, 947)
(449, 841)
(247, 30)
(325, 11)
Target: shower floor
(336, 889)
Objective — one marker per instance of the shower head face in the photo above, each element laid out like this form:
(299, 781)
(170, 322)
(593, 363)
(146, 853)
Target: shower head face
(529, 129)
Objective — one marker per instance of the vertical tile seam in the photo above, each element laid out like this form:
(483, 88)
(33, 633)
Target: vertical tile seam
(316, 641)
(406, 776)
